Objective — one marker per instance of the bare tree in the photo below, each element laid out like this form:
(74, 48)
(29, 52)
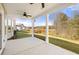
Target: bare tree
(61, 23)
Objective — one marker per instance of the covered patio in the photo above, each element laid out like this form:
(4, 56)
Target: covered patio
(33, 46)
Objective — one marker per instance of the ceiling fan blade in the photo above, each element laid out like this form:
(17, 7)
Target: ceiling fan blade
(29, 15)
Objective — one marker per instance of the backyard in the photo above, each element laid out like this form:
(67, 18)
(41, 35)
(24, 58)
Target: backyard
(61, 43)
(22, 34)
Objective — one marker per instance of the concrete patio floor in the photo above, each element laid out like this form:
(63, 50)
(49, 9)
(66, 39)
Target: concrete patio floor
(33, 46)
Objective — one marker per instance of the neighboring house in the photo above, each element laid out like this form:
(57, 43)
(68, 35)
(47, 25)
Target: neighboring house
(21, 27)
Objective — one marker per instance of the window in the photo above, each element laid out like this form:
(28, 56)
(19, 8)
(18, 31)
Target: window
(9, 25)
(5, 26)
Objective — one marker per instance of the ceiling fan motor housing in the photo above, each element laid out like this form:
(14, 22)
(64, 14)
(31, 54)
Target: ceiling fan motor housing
(24, 14)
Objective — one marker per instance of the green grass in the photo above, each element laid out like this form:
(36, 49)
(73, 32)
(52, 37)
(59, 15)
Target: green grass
(22, 34)
(64, 44)
(40, 37)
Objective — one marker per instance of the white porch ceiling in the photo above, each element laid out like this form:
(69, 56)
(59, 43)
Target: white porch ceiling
(35, 9)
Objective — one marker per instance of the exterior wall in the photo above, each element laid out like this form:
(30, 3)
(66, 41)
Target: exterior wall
(3, 39)
(0, 30)
(5, 34)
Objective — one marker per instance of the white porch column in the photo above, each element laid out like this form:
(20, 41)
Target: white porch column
(33, 27)
(47, 28)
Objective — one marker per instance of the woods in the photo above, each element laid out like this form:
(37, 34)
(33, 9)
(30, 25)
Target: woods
(67, 27)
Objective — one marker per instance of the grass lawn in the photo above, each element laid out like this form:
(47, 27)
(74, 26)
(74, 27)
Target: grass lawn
(40, 37)
(64, 44)
(22, 34)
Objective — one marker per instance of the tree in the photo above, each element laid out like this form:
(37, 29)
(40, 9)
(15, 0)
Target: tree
(61, 24)
(75, 27)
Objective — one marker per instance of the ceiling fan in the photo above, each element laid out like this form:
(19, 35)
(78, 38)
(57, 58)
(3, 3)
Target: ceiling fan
(26, 15)
(42, 4)
(23, 14)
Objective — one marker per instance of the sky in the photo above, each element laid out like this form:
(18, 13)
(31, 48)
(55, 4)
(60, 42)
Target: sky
(40, 21)
(25, 22)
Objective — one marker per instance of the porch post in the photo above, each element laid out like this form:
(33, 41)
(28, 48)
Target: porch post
(33, 27)
(47, 28)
